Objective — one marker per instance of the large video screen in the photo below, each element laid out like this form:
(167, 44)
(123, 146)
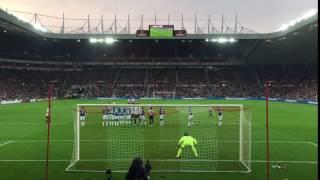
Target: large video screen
(161, 31)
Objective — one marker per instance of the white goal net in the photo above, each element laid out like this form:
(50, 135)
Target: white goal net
(163, 95)
(113, 134)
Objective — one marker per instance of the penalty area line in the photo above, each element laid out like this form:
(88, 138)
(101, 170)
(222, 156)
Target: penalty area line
(316, 145)
(6, 143)
(31, 123)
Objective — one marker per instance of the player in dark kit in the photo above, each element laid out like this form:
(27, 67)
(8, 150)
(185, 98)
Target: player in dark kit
(220, 116)
(131, 113)
(142, 118)
(47, 116)
(82, 116)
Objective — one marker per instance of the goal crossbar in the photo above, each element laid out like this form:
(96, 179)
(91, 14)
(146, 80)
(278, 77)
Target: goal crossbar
(154, 93)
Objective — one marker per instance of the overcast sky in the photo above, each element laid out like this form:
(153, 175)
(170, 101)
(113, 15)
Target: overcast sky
(259, 15)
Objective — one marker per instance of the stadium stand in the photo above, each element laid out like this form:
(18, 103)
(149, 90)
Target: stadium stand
(138, 67)
(102, 82)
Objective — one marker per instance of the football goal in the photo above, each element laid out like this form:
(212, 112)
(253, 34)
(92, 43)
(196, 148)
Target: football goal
(163, 95)
(114, 134)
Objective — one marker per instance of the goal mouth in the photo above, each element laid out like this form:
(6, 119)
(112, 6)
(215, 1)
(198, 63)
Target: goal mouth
(222, 147)
(163, 95)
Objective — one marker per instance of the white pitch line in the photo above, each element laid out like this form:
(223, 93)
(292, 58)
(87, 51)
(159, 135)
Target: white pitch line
(287, 142)
(159, 140)
(15, 123)
(292, 162)
(33, 160)
(200, 160)
(8, 142)
(316, 145)
(158, 160)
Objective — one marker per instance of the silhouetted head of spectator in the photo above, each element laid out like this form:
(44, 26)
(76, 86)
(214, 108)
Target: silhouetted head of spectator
(136, 170)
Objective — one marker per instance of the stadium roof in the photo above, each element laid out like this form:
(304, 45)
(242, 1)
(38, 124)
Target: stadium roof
(10, 22)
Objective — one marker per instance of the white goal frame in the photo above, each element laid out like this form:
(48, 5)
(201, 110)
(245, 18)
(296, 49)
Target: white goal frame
(163, 92)
(246, 163)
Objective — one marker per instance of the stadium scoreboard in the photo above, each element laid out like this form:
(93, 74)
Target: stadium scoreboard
(161, 31)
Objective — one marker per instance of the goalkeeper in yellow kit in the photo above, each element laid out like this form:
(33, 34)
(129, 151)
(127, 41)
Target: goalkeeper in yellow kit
(185, 141)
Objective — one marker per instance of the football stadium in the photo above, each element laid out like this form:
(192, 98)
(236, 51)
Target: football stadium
(157, 97)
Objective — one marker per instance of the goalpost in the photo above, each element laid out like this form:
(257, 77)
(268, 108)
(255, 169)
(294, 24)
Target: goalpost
(225, 148)
(163, 94)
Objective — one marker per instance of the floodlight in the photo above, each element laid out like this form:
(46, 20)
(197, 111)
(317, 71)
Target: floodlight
(107, 40)
(309, 14)
(110, 40)
(39, 27)
(303, 17)
(223, 40)
(232, 40)
(92, 40)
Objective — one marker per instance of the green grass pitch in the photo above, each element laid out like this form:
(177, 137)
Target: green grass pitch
(293, 135)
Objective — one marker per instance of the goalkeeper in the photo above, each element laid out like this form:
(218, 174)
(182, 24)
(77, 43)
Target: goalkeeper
(185, 141)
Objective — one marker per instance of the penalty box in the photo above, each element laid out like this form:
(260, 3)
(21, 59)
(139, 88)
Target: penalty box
(120, 144)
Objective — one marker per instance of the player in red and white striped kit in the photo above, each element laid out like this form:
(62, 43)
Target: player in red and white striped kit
(151, 116)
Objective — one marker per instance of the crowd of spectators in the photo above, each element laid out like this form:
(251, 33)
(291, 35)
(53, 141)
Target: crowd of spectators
(287, 82)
